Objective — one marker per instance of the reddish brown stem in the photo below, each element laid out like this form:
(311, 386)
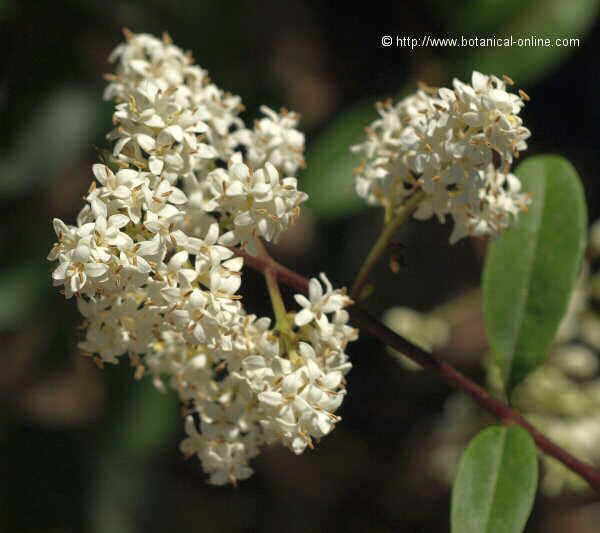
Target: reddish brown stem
(502, 411)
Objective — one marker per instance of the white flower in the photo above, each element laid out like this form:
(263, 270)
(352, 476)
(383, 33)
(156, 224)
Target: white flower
(318, 302)
(301, 401)
(153, 122)
(82, 262)
(225, 461)
(257, 203)
(276, 140)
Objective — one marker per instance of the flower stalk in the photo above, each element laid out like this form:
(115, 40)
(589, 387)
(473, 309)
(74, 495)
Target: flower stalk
(281, 317)
(381, 245)
(282, 320)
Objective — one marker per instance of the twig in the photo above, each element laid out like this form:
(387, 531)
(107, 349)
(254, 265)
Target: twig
(368, 323)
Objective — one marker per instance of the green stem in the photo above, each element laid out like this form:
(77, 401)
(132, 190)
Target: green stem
(282, 320)
(382, 243)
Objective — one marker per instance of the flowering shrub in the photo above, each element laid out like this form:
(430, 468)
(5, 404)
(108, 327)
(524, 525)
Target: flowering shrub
(186, 199)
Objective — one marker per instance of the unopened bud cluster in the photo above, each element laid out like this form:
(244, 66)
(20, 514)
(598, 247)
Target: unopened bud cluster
(456, 146)
(151, 264)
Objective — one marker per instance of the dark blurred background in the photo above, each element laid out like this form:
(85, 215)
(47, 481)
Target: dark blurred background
(88, 451)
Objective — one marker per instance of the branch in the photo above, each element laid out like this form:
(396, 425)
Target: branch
(502, 411)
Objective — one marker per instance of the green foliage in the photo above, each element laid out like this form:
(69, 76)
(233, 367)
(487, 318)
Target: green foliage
(146, 425)
(483, 16)
(150, 420)
(531, 269)
(21, 290)
(39, 154)
(328, 178)
(551, 19)
(496, 482)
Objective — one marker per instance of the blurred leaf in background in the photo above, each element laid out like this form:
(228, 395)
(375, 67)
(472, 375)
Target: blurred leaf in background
(146, 424)
(541, 19)
(328, 178)
(57, 135)
(22, 289)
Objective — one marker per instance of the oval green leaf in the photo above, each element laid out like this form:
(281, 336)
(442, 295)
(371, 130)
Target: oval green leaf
(531, 268)
(496, 482)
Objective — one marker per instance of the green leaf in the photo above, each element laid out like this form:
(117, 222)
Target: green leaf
(531, 269)
(328, 178)
(123, 472)
(150, 420)
(481, 17)
(496, 482)
(546, 19)
(69, 111)
(22, 289)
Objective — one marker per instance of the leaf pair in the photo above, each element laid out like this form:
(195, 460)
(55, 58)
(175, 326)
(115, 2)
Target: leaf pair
(528, 279)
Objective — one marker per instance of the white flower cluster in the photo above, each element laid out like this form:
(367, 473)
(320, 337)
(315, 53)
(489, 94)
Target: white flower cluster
(150, 262)
(174, 123)
(456, 146)
(265, 386)
(275, 139)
